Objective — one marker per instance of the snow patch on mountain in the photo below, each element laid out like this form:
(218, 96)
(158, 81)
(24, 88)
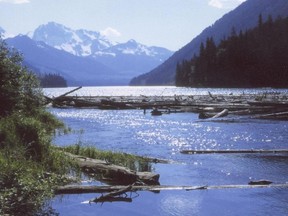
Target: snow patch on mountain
(77, 42)
(92, 43)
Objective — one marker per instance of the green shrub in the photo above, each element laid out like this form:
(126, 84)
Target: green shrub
(30, 166)
(23, 188)
(31, 133)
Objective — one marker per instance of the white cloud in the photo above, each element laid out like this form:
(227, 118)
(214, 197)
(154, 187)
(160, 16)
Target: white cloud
(215, 3)
(225, 4)
(15, 1)
(110, 32)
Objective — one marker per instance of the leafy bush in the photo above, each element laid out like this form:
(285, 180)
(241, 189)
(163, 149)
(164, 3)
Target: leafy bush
(19, 88)
(24, 185)
(30, 166)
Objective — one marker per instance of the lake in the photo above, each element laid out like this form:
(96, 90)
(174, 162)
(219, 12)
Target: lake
(132, 131)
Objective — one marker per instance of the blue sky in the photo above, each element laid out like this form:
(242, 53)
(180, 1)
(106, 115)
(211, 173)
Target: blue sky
(167, 23)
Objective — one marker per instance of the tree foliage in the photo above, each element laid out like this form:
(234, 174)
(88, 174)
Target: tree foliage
(19, 89)
(255, 58)
(26, 131)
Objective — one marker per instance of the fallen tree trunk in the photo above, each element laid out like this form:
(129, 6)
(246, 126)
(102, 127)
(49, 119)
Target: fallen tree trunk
(113, 174)
(114, 196)
(58, 100)
(236, 151)
(205, 115)
(278, 115)
(78, 189)
(69, 92)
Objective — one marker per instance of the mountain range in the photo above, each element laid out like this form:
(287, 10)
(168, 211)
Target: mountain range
(244, 17)
(85, 57)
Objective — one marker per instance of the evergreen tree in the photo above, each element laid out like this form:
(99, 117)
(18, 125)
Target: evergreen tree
(255, 58)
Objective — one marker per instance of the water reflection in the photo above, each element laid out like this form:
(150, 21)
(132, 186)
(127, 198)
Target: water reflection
(180, 205)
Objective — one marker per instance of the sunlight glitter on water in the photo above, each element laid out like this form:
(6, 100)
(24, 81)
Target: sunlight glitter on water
(154, 91)
(164, 137)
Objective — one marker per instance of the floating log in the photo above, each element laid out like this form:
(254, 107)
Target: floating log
(268, 103)
(260, 182)
(78, 189)
(85, 103)
(236, 151)
(270, 108)
(156, 112)
(205, 115)
(279, 116)
(221, 114)
(113, 174)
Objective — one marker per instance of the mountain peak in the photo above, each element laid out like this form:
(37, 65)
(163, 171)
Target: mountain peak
(91, 43)
(85, 56)
(77, 42)
(131, 41)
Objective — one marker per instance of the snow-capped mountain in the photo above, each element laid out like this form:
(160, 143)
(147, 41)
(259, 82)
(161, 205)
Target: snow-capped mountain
(132, 47)
(91, 43)
(42, 58)
(77, 42)
(85, 57)
(129, 59)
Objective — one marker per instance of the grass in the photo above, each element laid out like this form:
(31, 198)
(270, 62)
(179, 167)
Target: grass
(30, 166)
(133, 162)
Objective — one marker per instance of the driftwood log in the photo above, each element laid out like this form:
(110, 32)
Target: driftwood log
(205, 115)
(78, 189)
(59, 99)
(266, 106)
(277, 115)
(113, 174)
(114, 196)
(236, 151)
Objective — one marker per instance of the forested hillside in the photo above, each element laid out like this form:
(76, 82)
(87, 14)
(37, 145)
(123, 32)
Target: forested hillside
(52, 81)
(254, 58)
(242, 18)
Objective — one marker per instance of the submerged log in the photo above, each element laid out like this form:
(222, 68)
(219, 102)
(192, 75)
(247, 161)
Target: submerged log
(103, 199)
(114, 196)
(236, 151)
(114, 174)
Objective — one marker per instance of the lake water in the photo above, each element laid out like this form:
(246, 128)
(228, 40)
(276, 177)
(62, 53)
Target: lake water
(164, 137)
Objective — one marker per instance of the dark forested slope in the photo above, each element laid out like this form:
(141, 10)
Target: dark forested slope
(242, 18)
(255, 58)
